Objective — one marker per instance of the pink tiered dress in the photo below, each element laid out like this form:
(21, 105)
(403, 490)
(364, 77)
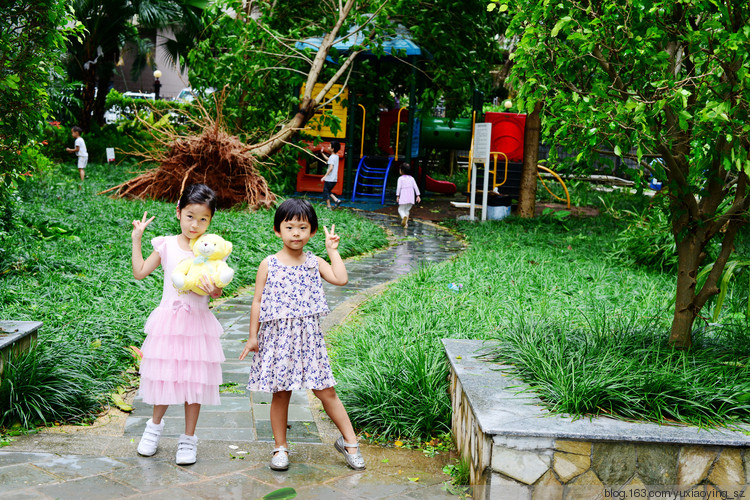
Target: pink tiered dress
(291, 353)
(182, 352)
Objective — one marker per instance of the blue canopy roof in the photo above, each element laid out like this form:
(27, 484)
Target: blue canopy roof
(393, 45)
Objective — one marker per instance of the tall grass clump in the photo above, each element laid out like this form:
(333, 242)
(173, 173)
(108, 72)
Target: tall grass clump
(624, 369)
(67, 263)
(54, 382)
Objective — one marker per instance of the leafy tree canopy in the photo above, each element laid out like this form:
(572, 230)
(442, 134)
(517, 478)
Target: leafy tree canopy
(32, 39)
(650, 79)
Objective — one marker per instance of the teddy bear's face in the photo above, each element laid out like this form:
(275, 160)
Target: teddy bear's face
(211, 246)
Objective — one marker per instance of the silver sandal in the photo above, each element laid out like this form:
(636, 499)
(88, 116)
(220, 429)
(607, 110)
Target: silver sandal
(280, 461)
(353, 460)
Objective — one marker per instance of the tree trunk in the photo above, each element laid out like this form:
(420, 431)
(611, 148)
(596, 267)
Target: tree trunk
(527, 195)
(87, 108)
(688, 260)
(101, 100)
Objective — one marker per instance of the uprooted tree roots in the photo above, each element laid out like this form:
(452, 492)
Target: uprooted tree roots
(214, 158)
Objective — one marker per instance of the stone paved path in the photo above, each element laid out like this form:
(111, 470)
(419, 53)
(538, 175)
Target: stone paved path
(105, 465)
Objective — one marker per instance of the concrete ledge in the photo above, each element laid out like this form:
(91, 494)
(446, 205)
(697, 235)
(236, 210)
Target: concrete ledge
(16, 337)
(511, 443)
(500, 410)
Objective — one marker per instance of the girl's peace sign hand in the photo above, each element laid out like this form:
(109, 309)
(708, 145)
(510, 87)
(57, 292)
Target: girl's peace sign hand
(332, 239)
(140, 225)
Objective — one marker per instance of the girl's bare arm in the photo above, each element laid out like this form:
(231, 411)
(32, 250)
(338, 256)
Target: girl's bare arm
(142, 268)
(260, 282)
(335, 272)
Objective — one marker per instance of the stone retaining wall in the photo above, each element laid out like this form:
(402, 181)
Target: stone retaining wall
(548, 466)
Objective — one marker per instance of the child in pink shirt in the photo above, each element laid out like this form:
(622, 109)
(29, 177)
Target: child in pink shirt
(406, 191)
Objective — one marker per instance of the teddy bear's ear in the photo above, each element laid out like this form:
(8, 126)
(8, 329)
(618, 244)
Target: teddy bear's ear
(192, 242)
(228, 248)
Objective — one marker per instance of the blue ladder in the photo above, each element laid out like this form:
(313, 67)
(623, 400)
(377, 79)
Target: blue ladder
(369, 176)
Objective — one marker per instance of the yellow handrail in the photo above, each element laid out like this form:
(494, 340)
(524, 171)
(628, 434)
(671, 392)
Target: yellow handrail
(494, 171)
(565, 188)
(362, 144)
(398, 128)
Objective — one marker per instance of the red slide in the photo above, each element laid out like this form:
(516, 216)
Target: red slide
(436, 186)
(443, 187)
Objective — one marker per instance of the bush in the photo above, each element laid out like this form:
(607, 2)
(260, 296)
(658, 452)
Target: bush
(615, 367)
(53, 382)
(647, 240)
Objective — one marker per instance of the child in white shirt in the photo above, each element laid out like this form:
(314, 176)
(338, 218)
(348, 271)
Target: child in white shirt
(79, 150)
(332, 175)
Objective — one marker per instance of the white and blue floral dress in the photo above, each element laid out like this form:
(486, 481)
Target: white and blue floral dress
(291, 351)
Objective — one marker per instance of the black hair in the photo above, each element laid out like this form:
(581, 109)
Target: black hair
(199, 194)
(405, 168)
(78, 129)
(335, 146)
(295, 208)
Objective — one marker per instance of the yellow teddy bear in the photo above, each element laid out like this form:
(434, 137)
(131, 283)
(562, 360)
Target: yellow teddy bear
(210, 251)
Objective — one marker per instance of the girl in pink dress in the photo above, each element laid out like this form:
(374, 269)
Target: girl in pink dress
(285, 328)
(182, 352)
(406, 192)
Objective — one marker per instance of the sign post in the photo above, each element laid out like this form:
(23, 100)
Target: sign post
(481, 154)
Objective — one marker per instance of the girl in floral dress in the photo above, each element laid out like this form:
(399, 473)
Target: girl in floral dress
(285, 328)
(182, 352)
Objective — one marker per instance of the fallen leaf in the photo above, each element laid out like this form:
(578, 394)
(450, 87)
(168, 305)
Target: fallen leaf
(413, 479)
(398, 444)
(385, 460)
(120, 403)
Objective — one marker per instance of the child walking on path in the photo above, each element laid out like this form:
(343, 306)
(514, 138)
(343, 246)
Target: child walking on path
(332, 175)
(406, 191)
(182, 352)
(285, 328)
(80, 150)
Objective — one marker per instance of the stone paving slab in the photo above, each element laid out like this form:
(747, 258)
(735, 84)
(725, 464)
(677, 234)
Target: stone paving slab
(316, 471)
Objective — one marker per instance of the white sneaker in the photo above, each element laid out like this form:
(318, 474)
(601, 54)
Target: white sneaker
(280, 461)
(187, 450)
(150, 438)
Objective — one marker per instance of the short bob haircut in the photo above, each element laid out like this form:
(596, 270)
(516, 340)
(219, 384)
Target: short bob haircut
(295, 208)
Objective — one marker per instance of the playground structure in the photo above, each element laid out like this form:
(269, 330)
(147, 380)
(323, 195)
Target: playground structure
(406, 136)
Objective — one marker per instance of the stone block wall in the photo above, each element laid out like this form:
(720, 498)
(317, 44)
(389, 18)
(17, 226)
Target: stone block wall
(551, 468)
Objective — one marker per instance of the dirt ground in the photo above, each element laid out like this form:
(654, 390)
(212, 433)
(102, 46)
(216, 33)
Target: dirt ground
(439, 208)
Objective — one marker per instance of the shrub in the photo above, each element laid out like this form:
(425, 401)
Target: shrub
(52, 382)
(647, 240)
(616, 367)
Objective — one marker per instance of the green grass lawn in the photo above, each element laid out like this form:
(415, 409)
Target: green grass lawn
(68, 265)
(578, 324)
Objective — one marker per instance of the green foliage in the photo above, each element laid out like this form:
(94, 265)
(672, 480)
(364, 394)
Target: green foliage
(125, 136)
(67, 264)
(32, 38)
(613, 366)
(128, 106)
(61, 379)
(389, 360)
(648, 79)
(109, 25)
(647, 240)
